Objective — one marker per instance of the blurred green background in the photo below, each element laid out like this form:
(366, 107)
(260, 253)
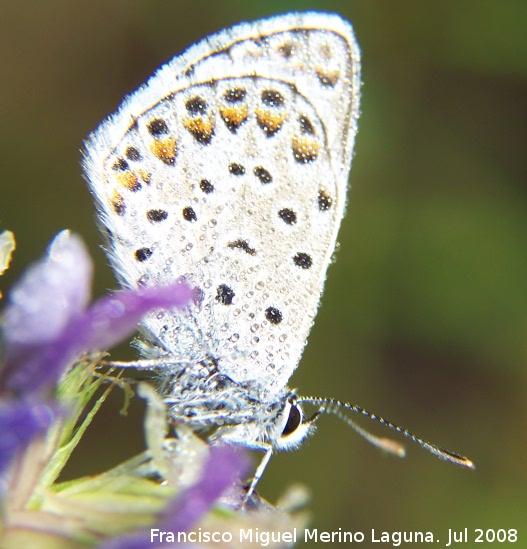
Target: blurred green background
(424, 317)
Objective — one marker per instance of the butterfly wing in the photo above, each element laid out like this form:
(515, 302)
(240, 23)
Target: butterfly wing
(229, 169)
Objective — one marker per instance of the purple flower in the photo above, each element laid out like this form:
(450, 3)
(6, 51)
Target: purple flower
(223, 466)
(50, 294)
(20, 423)
(47, 324)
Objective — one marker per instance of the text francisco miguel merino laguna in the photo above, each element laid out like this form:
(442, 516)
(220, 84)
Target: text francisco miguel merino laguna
(263, 538)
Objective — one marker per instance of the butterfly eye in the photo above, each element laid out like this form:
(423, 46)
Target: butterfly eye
(293, 421)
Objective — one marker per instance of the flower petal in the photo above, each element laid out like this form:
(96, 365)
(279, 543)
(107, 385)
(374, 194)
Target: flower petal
(20, 423)
(224, 465)
(46, 327)
(110, 319)
(103, 325)
(50, 294)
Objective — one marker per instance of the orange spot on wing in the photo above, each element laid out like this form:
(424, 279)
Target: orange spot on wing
(201, 128)
(305, 149)
(270, 122)
(234, 117)
(117, 203)
(165, 149)
(128, 180)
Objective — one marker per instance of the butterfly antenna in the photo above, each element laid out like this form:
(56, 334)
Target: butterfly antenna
(338, 408)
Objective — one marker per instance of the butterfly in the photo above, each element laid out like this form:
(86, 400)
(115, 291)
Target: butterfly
(229, 170)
